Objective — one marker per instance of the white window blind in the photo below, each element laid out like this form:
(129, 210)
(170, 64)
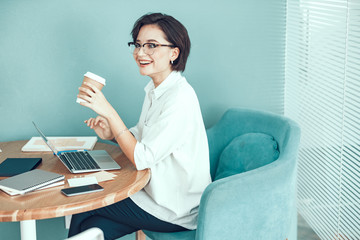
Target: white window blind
(322, 93)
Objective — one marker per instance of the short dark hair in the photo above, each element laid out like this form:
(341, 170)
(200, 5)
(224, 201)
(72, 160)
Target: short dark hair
(175, 33)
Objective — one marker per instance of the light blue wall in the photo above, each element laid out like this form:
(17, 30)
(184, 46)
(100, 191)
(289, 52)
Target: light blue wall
(236, 60)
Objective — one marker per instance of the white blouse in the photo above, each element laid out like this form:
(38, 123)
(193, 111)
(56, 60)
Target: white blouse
(172, 142)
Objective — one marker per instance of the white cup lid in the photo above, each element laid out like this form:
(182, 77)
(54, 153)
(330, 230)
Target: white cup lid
(95, 77)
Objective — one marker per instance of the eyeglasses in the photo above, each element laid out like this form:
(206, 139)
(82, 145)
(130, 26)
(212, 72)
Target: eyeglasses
(148, 48)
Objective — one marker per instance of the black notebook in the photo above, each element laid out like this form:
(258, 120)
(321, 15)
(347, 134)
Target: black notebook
(14, 166)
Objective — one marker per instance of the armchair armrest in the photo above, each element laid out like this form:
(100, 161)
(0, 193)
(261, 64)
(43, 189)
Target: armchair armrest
(258, 204)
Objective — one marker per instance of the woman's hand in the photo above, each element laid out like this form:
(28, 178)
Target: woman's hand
(101, 127)
(95, 100)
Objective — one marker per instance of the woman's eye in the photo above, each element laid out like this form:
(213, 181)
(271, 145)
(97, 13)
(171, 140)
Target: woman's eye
(152, 45)
(137, 45)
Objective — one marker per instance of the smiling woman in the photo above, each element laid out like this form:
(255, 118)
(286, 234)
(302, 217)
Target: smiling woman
(172, 31)
(154, 54)
(169, 138)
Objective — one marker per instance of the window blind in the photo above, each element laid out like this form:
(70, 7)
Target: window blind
(322, 93)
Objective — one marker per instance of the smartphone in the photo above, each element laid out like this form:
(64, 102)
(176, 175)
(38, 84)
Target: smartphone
(73, 191)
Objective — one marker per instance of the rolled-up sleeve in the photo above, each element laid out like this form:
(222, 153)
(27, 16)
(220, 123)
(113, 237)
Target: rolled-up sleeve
(135, 131)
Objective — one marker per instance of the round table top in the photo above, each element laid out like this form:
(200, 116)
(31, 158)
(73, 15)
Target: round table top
(50, 203)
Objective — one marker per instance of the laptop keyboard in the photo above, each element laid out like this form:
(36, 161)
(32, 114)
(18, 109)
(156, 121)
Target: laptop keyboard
(79, 160)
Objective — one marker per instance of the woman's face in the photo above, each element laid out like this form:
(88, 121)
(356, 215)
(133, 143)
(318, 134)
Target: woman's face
(157, 65)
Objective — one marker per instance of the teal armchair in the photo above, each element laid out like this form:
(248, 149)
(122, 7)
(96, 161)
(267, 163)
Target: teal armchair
(253, 157)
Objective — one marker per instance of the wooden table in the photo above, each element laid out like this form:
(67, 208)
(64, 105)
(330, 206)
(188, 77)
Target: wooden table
(50, 203)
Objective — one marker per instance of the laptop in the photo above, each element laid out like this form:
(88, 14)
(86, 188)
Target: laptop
(81, 161)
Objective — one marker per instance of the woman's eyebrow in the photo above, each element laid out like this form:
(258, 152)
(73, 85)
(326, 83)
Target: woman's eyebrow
(152, 40)
(148, 41)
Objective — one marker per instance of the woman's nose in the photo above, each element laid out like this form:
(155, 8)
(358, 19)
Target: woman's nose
(141, 51)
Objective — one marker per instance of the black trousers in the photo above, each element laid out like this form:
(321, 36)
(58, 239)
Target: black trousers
(120, 219)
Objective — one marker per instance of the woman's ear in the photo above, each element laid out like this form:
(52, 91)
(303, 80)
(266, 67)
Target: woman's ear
(174, 54)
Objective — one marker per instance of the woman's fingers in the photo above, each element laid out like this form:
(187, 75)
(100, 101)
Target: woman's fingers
(88, 96)
(98, 121)
(93, 87)
(94, 99)
(87, 91)
(87, 121)
(84, 97)
(90, 122)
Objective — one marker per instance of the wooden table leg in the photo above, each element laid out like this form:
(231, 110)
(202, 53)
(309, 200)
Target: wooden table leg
(140, 235)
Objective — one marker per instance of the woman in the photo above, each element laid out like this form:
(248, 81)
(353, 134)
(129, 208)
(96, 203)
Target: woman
(170, 138)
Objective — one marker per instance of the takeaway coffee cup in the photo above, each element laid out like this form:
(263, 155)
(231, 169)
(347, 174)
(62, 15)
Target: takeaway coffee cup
(94, 79)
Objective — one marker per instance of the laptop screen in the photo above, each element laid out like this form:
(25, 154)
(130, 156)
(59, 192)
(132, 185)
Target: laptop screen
(45, 139)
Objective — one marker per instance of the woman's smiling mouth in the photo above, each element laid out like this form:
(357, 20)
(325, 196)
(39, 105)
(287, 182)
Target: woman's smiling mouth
(144, 62)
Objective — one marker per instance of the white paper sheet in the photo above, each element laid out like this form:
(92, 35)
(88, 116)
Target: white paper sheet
(82, 181)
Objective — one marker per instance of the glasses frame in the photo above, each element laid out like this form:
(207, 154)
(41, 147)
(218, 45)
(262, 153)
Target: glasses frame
(136, 50)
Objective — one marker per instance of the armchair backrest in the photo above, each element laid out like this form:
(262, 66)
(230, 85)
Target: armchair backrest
(248, 205)
(236, 122)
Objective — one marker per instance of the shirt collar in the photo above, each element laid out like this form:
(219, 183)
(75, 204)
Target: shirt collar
(173, 77)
